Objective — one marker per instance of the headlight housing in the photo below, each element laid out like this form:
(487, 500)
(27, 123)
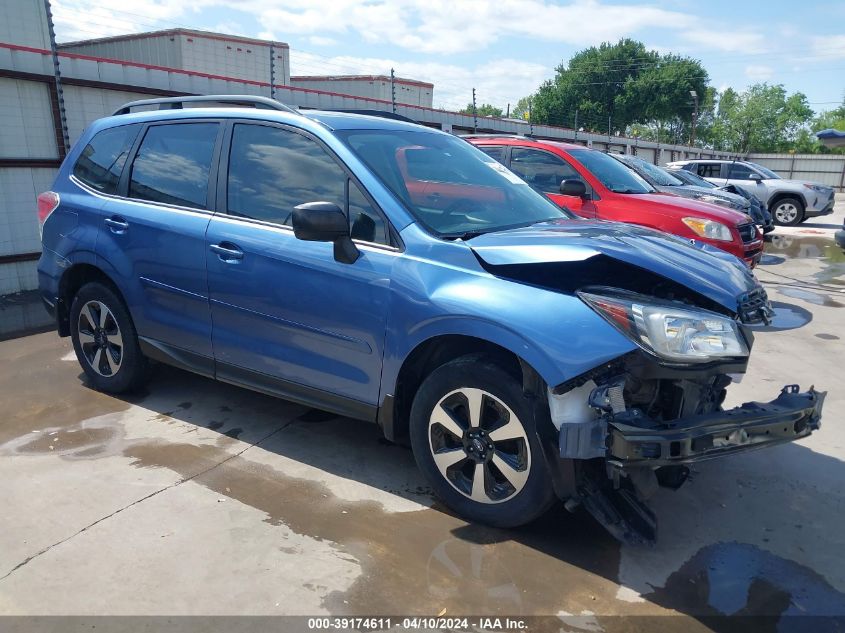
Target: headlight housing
(676, 334)
(816, 188)
(709, 228)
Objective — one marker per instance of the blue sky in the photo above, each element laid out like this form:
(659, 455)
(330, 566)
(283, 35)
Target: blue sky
(505, 49)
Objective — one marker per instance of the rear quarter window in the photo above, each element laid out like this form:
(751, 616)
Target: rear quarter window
(101, 162)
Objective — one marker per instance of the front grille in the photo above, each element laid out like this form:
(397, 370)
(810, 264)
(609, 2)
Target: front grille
(747, 232)
(754, 307)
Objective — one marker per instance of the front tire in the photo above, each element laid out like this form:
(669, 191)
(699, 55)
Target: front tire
(473, 436)
(788, 212)
(105, 340)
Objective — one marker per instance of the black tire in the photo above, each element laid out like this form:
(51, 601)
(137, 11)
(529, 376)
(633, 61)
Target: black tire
(788, 212)
(474, 373)
(130, 365)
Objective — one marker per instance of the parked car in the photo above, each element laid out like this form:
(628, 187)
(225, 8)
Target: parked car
(757, 211)
(667, 182)
(522, 352)
(839, 236)
(789, 201)
(594, 185)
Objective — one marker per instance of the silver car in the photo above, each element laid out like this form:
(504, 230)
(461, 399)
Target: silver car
(789, 201)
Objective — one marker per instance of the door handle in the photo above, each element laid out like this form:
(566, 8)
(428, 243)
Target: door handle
(117, 224)
(227, 252)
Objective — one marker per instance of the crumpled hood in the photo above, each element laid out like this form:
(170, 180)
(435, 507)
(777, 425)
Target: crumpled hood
(708, 271)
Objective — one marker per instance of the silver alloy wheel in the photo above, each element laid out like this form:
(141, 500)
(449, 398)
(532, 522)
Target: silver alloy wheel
(479, 445)
(786, 212)
(100, 339)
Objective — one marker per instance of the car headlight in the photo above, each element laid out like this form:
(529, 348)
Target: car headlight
(673, 333)
(709, 228)
(816, 188)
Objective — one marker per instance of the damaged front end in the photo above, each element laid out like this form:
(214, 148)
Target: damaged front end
(635, 424)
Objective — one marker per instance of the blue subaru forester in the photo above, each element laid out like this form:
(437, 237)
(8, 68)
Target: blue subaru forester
(382, 270)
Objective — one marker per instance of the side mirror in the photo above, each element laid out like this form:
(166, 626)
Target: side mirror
(755, 177)
(325, 222)
(573, 188)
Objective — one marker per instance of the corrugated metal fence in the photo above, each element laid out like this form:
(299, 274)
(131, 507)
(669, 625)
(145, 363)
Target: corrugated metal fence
(828, 169)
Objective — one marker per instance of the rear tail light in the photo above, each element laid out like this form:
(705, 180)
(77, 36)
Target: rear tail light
(47, 203)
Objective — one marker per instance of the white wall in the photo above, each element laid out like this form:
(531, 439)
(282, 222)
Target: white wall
(26, 124)
(24, 22)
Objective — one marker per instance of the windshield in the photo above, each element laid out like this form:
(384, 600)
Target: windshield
(693, 179)
(767, 173)
(452, 188)
(610, 172)
(659, 175)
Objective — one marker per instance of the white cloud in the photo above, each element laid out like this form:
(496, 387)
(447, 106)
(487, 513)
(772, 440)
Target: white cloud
(759, 72)
(319, 40)
(726, 40)
(828, 47)
(449, 27)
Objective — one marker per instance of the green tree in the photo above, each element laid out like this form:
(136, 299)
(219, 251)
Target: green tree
(623, 82)
(830, 119)
(484, 109)
(761, 119)
(521, 109)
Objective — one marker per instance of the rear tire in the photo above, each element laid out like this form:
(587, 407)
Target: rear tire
(105, 340)
(788, 212)
(473, 436)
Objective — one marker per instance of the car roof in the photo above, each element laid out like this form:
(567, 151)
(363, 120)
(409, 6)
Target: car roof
(525, 141)
(307, 119)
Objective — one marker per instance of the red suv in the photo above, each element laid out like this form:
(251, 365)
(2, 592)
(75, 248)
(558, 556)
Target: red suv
(595, 185)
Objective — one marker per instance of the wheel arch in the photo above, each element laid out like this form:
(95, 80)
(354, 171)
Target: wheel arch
(434, 352)
(71, 281)
(780, 195)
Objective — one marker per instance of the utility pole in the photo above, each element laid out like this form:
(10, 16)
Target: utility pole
(608, 129)
(530, 121)
(272, 72)
(392, 91)
(57, 76)
(576, 124)
(474, 113)
(694, 95)
(508, 112)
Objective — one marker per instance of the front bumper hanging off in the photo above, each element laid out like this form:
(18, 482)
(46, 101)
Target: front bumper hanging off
(640, 452)
(790, 416)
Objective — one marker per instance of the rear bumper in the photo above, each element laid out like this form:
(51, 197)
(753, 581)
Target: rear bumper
(790, 416)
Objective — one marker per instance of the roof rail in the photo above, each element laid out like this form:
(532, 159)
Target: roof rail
(177, 103)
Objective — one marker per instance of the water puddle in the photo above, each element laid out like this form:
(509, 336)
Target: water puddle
(810, 296)
(741, 579)
(787, 317)
(824, 249)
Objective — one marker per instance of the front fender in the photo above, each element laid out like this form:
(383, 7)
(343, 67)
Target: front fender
(555, 333)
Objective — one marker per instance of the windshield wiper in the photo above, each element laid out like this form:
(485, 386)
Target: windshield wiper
(466, 235)
(628, 191)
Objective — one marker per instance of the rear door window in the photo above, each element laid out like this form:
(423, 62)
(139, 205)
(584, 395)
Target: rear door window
(709, 170)
(173, 163)
(494, 151)
(101, 162)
